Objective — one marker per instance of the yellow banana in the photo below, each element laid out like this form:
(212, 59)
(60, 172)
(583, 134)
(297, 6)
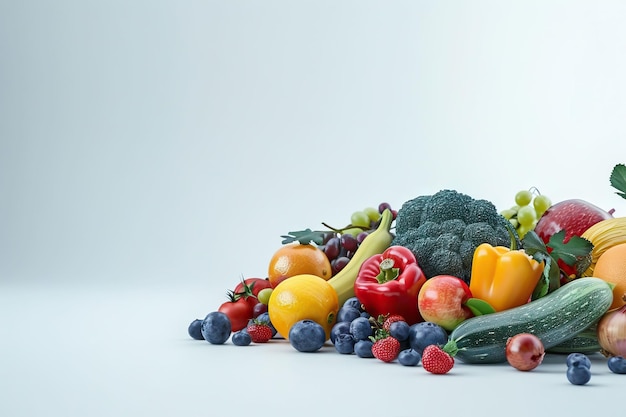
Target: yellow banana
(603, 235)
(374, 244)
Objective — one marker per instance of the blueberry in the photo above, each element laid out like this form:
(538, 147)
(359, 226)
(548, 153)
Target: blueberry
(581, 358)
(195, 329)
(342, 327)
(404, 344)
(353, 302)
(266, 318)
(365, 314)
(578, 373)
(426, 333)
(307, 336)
(617, 364)
(399, 330)
(409, 357)
(216, 328)
(344, 343)
(241, 338)
(363, 348)
(361, 328)
(348, 314)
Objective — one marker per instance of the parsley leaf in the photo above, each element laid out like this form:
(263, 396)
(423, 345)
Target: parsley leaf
(550, 279)
(576, 252)
(618, 179)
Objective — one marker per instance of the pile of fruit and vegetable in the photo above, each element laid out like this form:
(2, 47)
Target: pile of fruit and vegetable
(445, 277)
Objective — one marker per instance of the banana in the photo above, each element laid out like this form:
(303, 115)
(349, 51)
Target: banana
(374, 244)
(603, 235)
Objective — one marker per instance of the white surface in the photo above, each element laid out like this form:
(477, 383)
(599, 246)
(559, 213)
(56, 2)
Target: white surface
(151, 152)
(111, 352)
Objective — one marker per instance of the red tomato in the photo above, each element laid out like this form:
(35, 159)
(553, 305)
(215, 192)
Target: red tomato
(239, 313)
(249, 289)
(255, 285)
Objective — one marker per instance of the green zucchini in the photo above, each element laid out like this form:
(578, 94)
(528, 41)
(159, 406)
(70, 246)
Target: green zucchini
(584, 342)
(554, 318)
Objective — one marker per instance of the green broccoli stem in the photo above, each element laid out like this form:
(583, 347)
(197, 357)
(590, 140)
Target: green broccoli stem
(387, 271)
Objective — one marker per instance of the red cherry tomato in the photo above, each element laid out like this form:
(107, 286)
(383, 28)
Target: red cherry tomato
(249, 289)
(255, 285)
(239, 312)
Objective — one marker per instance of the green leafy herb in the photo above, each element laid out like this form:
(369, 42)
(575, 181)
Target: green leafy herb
(305, 237)
(618, 179)
(576, 252)
(534, 246)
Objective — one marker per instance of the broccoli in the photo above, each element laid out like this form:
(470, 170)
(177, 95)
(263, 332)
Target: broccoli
(443, 231)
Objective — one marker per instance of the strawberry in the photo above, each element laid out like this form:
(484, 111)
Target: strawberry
(437, 360)
(385, 347)
(259, 331)
(391, 319)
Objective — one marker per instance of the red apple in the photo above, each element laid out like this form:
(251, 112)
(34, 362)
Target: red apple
(442, 299)
(575, 217)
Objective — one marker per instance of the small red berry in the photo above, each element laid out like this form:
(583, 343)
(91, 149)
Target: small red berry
(386, 349)
(436, 360)
(259, 332)
(391, 319)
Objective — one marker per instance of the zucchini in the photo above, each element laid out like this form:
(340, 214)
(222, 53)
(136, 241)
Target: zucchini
(554, 318)
(584, 342)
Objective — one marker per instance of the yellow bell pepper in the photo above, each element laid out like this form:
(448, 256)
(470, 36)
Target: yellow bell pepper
(503, 277)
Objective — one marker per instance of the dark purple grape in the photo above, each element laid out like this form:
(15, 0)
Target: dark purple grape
(383, 206)
(361, 237)
(339, 263)
(327, 237)
(332, 248)
(258, 309)
(349, 242)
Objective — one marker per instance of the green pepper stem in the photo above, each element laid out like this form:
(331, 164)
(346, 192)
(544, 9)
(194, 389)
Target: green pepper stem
(511, 230)
(387, 271)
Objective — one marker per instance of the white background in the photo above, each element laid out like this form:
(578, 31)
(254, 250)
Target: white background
(152, 152)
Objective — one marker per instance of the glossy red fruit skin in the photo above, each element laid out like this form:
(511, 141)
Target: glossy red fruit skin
(574, 216)
(524, 351)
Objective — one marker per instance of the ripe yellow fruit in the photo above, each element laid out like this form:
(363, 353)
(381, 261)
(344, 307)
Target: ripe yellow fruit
(303, 297)
(611, 267)
(604, 235)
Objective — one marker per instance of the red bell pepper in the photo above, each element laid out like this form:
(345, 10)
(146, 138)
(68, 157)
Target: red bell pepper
(388, 284)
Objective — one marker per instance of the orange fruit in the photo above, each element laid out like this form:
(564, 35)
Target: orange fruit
(303, 297)
(297, 259)
(611, 267)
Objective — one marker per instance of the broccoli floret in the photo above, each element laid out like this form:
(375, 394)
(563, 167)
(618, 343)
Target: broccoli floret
(444, 262)
(448, 241)
(480, 232)
(412, 213)
(443, 231)
(466, 251)
(454, 226)
(429, 229)
(445, 205)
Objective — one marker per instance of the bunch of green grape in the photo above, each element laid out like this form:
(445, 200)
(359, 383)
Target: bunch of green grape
(529, 207)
